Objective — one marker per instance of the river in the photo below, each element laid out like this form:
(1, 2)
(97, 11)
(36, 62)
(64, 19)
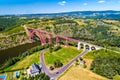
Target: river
(15, 51)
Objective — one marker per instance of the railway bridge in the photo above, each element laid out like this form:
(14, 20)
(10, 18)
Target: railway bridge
(46, 38)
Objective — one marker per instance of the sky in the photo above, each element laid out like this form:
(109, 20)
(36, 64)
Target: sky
(55, 6)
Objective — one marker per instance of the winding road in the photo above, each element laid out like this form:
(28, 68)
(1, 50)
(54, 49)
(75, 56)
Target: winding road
(55, 75)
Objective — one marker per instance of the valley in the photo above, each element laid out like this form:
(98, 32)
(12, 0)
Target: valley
(18, 50)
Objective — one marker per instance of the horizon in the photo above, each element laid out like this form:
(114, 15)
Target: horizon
(10, 7)
(58, 12)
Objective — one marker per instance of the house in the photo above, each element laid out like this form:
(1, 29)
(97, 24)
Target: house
(33, 70)
(82, 62)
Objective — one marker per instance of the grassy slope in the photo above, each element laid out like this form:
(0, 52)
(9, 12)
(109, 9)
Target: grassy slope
(13, 30)
(116, 49)
(78, 73)
(102, 52)
(65, 54)
(26, 62)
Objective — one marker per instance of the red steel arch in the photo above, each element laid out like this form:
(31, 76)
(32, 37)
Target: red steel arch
(42, 35)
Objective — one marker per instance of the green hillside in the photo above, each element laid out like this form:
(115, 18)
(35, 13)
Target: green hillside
(97, 31)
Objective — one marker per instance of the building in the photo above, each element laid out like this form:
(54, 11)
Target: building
(33, 70)
(82, 62)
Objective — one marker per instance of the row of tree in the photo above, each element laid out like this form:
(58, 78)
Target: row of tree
(41, 76)
(13, 60)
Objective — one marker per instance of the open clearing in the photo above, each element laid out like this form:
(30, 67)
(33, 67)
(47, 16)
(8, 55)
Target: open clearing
(65, 54)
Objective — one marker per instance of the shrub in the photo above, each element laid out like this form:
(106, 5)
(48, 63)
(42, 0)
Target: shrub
(56, 48)
(77, 60)
(81, 58)
(41, 76)
(84, 66)
(51, 67)
(116, 77)
(58, 64)
(76, 63)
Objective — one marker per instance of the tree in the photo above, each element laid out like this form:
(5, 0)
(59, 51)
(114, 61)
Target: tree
(46, 77)
(58, 64)
(105, 46)
(107, 66)
(41, 76)
(51, 67)
(81, 58)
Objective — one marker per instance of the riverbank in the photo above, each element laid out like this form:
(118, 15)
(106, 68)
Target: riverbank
(16, 51)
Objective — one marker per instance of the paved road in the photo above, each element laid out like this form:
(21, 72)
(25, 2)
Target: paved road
(54, 75)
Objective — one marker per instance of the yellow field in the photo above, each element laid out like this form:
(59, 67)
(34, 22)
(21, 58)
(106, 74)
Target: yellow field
(80, 22)
(111, 21)
(79, 73)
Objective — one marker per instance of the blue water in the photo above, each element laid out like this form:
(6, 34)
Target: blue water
(17, 73)
(3, 76)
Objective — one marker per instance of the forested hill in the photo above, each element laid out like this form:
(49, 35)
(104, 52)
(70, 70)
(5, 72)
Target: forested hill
(83, 14)
(99, 31)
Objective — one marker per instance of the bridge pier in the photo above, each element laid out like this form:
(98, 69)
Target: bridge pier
(49, 40)
(90, 47)
(84, 46)
(43, 38)
(79, 47)
(57, 40)
(67, 44)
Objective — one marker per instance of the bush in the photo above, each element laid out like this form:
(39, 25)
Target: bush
(58, 64)
(52, 48)
(116, 77)
(41, 76)
(56, 48)
(51, 67)
(76, 63)
(84, 66)
(77, 60)
(81, 58)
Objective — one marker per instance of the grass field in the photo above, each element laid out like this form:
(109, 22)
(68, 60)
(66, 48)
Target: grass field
(102, 52)
(13, 30)
(65, 54)
(26, 62)
(79, 73)
(115, 49)
(80, 22)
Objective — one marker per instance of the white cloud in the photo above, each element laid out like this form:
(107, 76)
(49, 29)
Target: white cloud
(101, 1)
(62, 3)
(85, 4)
